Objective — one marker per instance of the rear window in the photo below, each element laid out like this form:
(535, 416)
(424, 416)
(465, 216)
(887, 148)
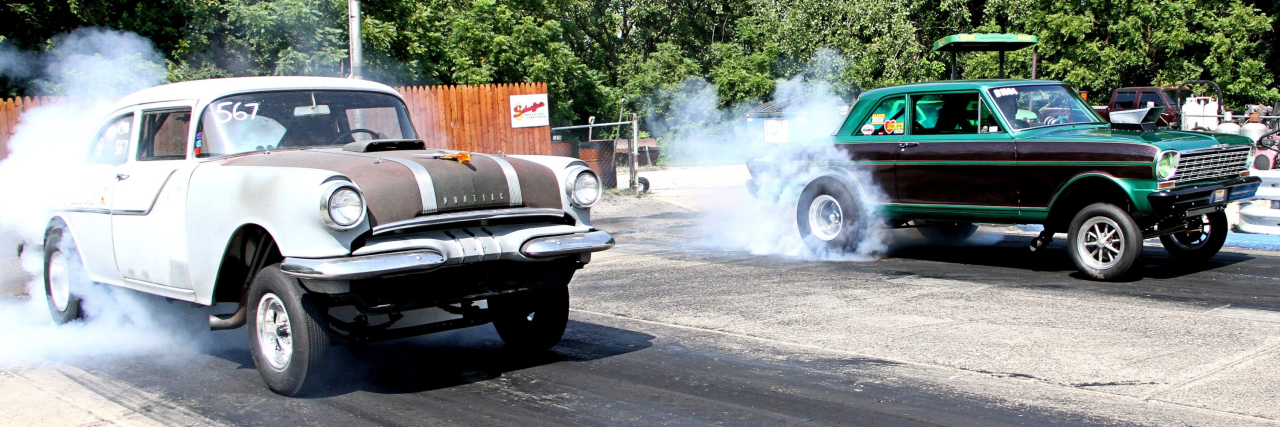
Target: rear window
(888, 118)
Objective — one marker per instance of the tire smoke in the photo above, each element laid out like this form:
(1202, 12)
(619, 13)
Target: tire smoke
(85, 71)
(784, 156)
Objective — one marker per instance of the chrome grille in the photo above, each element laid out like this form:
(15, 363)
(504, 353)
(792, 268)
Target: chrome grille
(1212, 165)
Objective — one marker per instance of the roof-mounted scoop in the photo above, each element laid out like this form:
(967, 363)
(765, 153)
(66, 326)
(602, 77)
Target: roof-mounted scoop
(376, 145)
(1136, 120)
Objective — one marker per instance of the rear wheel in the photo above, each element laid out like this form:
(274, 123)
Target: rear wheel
(948, 234)
(289, 346)
(1104, 241)
(829, 217)
(62, 269)
(532, 320)
(1203, 239)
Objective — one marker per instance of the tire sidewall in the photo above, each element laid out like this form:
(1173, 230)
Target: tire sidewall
(53, 244)
(309, 348)
(1217, 237)
(851, 215)
(550, 307)
(1130, 232)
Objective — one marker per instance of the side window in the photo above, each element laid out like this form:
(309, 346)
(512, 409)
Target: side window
(888, 118)
(111, 146)
(945, 114)
(1124, 100)
(1152, 97)
(988, 123)
(164, 135)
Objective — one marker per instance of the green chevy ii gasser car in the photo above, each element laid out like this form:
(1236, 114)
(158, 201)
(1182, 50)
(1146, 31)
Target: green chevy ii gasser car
(943, 156)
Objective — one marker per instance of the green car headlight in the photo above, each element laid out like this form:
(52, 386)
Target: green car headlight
(1167, 165)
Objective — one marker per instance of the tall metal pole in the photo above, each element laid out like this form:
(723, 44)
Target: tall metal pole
(1035, 61)
(635, 137)
(355, 50)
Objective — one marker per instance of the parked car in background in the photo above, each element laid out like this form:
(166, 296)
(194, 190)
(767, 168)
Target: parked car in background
(312, 204)
(947, 155)
(1130, 98)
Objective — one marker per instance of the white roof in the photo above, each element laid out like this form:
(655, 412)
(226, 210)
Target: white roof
(210, 89)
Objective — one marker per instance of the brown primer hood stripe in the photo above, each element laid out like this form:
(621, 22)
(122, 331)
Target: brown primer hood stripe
(390, 189)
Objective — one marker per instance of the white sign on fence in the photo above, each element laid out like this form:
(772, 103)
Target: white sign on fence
(530, 111)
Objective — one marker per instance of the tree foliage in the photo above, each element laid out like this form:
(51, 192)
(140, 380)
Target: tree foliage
(595, 53)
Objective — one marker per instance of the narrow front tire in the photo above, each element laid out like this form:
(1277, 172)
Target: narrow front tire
(288, 341)
(1201, 241)
(532, 321)
(1104, 241)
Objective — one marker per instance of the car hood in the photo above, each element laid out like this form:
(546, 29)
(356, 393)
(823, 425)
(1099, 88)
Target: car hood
(1162, 139)
(401, 185)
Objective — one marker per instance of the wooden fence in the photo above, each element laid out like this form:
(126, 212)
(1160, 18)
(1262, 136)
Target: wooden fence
(468, 118)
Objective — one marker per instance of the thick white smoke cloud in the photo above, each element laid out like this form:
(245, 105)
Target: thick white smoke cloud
(89, 68)
(702, 133)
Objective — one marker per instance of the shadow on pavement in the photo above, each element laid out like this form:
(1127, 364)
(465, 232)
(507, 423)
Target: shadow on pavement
(462, 357)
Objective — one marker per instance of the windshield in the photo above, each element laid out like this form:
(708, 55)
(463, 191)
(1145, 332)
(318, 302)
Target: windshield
(299, 119)
(1026, 107)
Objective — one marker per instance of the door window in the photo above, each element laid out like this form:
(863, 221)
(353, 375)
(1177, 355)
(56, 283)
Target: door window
(1152, 97)
(111, 147)
(1124, 100)
(888, 118)
(947, 114)
(164, 135)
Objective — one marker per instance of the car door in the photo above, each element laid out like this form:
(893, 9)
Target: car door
(88, 211)
(869, 141)
(148, 213)
(955, 155)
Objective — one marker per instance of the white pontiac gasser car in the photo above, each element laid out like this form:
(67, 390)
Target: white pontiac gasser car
(312, 204)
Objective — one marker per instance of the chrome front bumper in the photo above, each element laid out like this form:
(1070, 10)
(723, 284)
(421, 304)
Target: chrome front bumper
(418, 254)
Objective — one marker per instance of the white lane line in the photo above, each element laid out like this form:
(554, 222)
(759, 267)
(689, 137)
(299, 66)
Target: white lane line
(1061, 386)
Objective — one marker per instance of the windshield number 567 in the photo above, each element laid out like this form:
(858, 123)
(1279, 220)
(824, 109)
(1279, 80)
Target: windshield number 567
(239, 111)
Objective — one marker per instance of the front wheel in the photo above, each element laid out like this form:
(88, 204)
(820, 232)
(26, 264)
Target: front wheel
(829, 217)
(1104, 241)
(62, 268)
(532, 320)
(289, 346)
(1203, 239)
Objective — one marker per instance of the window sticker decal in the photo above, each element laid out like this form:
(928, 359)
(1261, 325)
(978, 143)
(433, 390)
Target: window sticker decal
(877, 119)
(1004, 91)
(868, 129)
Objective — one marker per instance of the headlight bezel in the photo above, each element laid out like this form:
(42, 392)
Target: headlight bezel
(326, 198)
(570, 186)
(1174, 157)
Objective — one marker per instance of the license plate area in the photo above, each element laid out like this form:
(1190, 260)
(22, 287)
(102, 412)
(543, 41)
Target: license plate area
(1218, 196)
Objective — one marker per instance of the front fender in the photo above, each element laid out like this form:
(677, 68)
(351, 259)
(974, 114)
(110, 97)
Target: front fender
(283, 201)
(560, 166)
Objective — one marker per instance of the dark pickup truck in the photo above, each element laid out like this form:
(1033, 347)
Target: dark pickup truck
(1137, 97)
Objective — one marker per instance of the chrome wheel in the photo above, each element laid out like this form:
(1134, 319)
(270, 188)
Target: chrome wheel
(826, 217)
(1101, 243)
(59, 283)
(275, 338)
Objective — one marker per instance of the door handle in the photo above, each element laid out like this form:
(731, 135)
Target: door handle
(908, 144)
(121, 177)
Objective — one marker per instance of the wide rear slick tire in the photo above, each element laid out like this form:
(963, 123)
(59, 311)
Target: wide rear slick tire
(532, 321)
(829, 217)
(1104, 241)
(1199, 244)
(287, 339)
(62, 275)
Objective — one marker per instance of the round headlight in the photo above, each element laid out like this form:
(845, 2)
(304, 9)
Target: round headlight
(1167, 166)
(583, 188)
(342, 206)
